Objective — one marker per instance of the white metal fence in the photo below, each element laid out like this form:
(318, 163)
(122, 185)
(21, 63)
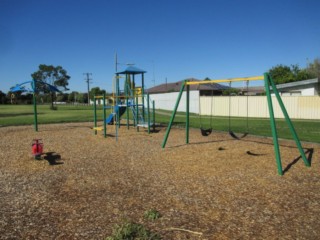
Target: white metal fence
(298, 107)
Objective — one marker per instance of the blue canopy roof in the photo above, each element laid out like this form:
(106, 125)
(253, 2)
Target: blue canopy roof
(18, 88)
(132, 70)
(21, 88)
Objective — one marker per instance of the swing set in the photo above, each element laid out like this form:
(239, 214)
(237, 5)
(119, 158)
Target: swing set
(207, 131)
(269, 85)
(232, 134)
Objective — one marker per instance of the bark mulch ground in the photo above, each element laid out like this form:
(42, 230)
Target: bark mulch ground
(214, 188)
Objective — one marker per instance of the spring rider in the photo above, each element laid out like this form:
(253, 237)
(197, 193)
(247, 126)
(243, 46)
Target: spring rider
(37, 148)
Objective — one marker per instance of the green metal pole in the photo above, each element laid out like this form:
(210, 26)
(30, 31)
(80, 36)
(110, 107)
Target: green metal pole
(142, 93)
(95, 114)
(127, 98)
(153, 116)
(288, 120)
(148, 112)
(35, 106)
(187, 114)
(173, 115)
(35, 112)
(104, 116)
(137, 112)
(273, 124)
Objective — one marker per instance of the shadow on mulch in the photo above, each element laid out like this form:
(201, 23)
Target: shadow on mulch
(53, 158)
(199, 143)
(63, 127)
(309, 154)
(255, 154)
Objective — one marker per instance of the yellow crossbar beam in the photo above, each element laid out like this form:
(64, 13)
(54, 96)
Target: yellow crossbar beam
(98, 97)
(226, 80)
(98, 128)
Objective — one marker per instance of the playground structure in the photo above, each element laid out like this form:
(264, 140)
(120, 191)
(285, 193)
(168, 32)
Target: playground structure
(22, 88)
(269, 85)
(131, 100)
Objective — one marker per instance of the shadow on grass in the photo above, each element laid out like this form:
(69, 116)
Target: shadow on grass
(17, 114)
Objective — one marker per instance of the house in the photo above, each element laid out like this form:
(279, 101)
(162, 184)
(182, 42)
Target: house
(310, 87)
(165, 95)
(252, 91)
(213, 89)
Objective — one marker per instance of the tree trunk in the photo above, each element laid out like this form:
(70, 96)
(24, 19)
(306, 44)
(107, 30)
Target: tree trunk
(52, 98)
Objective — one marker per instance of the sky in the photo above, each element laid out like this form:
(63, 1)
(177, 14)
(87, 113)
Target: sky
(170, 39)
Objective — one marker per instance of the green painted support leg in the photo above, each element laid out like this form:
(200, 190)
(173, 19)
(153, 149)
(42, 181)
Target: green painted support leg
(173, 116)
(288, 120)
(273, 124)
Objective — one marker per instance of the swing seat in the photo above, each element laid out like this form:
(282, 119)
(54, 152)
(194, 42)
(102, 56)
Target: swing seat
(206, 132)
(232, 134)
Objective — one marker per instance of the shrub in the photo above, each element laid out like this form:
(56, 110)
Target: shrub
(132, 231)
(152, 214)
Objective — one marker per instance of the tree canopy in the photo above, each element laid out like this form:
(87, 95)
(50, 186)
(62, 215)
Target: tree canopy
(96, 91)
(56, 76)
(284, 74)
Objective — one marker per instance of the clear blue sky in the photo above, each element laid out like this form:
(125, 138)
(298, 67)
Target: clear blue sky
(173, 39)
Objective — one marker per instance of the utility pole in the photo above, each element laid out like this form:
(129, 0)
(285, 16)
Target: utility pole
(88, 79)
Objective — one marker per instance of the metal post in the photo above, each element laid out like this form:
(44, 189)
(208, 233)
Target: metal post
(137, 112)
(288, 120)
(173, 115)
(273, 124)
(104, 116)
(142, 93)
(153, 116)
(35, 106)
(127, 98)
(95, 115)
(148, 113)
(187, 114)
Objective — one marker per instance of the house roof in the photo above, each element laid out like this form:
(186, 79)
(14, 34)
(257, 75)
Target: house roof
(252, 90)
(298, 83)
(176, 86)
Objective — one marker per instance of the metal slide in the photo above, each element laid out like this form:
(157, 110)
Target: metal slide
(120, 109)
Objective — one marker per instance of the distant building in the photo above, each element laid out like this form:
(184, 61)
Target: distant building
(309, 87)
(252, 91)
(213, 89)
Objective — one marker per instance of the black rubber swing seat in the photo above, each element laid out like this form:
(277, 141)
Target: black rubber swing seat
(206, 132)
(232, 134)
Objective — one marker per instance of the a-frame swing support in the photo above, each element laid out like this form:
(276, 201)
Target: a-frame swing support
(269, 84)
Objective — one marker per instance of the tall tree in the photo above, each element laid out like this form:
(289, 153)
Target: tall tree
(3, 99)
(56, 76)
(96, 91)
(284, 74)
(314, 68)
(281, 74)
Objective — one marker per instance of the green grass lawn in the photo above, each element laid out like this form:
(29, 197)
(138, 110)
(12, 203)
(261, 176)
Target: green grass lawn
(13, 115)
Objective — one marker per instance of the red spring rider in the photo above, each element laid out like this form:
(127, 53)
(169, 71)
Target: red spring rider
(37, 148)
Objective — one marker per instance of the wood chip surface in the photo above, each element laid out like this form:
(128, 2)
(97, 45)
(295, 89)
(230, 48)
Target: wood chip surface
(213, 188)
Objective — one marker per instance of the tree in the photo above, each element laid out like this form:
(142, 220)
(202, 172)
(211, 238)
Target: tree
(52, 75)
(3, 99)
(73, 97)
(314, 68)
(96, 91)
(230, 91)
(281, 74)
(284, 74)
